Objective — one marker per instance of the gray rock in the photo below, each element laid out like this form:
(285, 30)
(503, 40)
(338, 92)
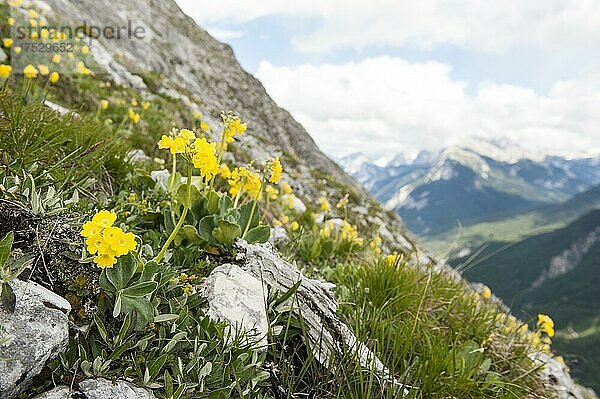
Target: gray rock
(60, 392)
(100, 388)
(238, 297)
(137, 156)
(278, 234)
(557, 379)
(36, 332)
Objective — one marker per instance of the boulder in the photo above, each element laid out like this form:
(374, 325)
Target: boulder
(36, 332)
(99, 388)
(237, 296)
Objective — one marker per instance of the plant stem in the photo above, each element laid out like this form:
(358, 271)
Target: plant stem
(262, 184)
(160, 255)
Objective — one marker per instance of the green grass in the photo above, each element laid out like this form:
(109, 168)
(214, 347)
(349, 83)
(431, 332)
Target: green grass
(69, 151)
(422, 324)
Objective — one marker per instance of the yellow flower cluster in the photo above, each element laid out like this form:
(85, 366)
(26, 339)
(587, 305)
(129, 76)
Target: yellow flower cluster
(272, 193)
(393, 259)
(376, 244)
(5, 71)
(133, 116)
(350, 233)
(343, 202)
(204, 157)
(486, 292)
(233, 126)
(324, 204)
(275, 170)
(243, 180)
(545, 324)
(325, 232)
(106, 241)
(201, 152)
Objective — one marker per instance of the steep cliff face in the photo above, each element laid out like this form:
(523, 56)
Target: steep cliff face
(203, 67)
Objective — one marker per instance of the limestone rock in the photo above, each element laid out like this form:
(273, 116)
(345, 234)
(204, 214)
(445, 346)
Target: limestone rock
(558, 379)
(60, 392)
(238, 297)
(36, 332)
(100, 388)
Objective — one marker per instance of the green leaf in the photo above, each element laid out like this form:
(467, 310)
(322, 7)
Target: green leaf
(212, 204)
(181, 195)
(245, 211)
(225, 204)
(140, 290)
(190, 233)
(227, 232)
(123, 330)
(122, 272)
(101, 328)
(9, 300)
(174, 180)
(157, 365)
(168, 221)
(206, 227)
(258, 234)
(166, 317)
(142, 308)
(16, 267)
(5, 247)
(176, 338)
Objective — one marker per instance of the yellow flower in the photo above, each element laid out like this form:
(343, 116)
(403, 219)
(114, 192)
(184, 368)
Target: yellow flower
(111, 235)
(233, 127)
(392, 259)
(33, 35)
(44, 71)
(546, 324)
(11, 21)
(324, 204)
(204, 126)
(90, 229)
(145, 105)
(294, 226)
(44, 33)
(187, 135)
(5, 70)
(17, 50)
(188, 289)
(15, 3)
(54, 77)
(123, 243)
(285, 219)
(225, 172)
(81, 69)
(104, 104)
(286, 188)
(104, 219)
(165, 142)
(56, 58)
(34, 24)
(277, 223)
(275, 170)
(133, 116)
(105, 260)
(30, 72)
(197, 115)
(33, 14)
(134, 102)
(271, 192)
(349, 233)
(325, 232)
(95, 244)
(205, 158)
(244, 180)
(178, 146)
(7, 42)
(486, 292)
(343, 202)
(85, 50)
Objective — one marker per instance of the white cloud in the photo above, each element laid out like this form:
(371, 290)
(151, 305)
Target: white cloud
(486, 26)
(385, 105)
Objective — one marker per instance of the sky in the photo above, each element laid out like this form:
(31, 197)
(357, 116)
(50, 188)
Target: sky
(384, 77)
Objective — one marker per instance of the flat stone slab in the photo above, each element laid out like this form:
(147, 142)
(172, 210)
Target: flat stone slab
(36, 332)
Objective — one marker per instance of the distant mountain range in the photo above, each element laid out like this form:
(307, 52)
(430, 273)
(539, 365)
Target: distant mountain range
(556, 273)
(469, 183)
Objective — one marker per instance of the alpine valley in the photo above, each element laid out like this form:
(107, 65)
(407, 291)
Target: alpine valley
(528, 226)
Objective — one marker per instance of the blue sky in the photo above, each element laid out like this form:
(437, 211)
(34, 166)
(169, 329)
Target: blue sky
(390, 76)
